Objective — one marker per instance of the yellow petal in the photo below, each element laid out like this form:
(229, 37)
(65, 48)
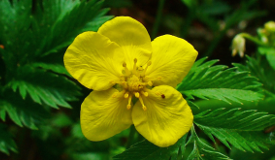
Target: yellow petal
(131, 35)
(172, 58)
(104, 114)
(167, 118)
(94, 60)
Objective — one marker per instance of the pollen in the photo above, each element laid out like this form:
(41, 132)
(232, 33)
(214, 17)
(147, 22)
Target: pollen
(134, 83)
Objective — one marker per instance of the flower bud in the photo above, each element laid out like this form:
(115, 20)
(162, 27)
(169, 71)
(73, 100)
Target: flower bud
(270, 26)
(238, 45)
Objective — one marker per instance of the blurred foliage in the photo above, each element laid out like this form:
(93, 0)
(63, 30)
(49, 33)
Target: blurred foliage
(40, 102)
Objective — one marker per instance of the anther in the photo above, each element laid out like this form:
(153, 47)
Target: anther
(128, 106)
(126, 95)
(150, 83)
(142, 103)
(144, 93)
(137, 94)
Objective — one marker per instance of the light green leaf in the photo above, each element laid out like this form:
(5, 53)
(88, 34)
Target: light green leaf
(224, 94)
(7, 144)
(216, 82)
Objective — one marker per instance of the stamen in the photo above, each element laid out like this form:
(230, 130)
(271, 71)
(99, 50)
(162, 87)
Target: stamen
(142, 103)
(148, 64)
(150, 83)
(127, 72)
(135, 66)
(144, 93)
(124, 84)
(126, 95)
(137, 94)
(140, 86)
(129, 102)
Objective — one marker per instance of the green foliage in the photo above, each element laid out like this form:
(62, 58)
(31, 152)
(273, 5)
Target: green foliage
(36, 89)
(203, 151)
(33, 79)
(7, 144)
(216, 82)
(234, 127)
(242, 129)
(145, 150)
(261, 69)
(22, 112)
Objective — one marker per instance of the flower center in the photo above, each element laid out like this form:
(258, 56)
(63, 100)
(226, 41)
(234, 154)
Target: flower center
(135, 83)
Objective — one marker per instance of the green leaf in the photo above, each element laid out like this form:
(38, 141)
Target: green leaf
(57, 68)
(203, 151)
(190, 3)
(22, 112)
(73, 16)
(216, 82)
(89, 156)
(260, 68)
(145, 150)
(7, 144)
(243, 120)
(44, 87)
(224, 94)
(242, 129)
(271, 59)
(31, 30)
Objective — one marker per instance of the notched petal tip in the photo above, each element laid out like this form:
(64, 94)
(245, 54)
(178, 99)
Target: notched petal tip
(131, 36)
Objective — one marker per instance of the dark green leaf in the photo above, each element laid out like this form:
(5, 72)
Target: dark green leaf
(43, 86)
(145, 150)
(22, 112)
(203, 151)
(7, 144)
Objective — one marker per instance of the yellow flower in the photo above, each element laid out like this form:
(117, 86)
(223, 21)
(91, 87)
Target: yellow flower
(123, 66)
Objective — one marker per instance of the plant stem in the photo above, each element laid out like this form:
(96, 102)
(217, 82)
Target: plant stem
(158, 19)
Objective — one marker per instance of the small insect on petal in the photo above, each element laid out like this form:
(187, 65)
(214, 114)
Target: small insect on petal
(163, 96)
